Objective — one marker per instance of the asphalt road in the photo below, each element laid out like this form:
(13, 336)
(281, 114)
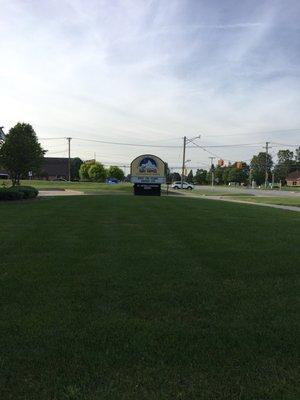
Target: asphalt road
(243, 190)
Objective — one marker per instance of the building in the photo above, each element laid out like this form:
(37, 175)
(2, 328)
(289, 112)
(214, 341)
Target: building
(54, 168)
(293, 179)
(2, 135)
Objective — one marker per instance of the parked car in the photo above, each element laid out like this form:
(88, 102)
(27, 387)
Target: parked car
(112, 181)
(59, 179)
(186, 185)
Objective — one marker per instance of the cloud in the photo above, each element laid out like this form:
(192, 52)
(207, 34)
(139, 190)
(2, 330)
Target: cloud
(149, 71)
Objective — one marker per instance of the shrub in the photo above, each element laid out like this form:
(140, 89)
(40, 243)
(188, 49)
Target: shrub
(8, 194)
(29, 192)
(18, 193)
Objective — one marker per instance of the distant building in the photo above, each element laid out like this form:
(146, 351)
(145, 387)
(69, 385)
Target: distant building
(293, 179)
(3, 173)
(2, 135)
(55, 168)
(52, 168)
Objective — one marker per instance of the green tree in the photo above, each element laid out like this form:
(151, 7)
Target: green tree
(297, 155)
(238, 175)
(226, 171)
(97, 172)
(168, 174)
(200, 176)
(84, 171)
(21, 152)
(175, 177)
(190, 177)
(75, 167)
(258, 165)
(115, 172)
(219, 172)
(286, 164)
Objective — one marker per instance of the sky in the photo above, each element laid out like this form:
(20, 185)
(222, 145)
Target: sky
(151, 72)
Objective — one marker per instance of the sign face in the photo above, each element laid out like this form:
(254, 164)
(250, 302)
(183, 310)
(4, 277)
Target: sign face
(148, 169)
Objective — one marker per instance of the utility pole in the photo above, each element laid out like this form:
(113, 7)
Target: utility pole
(267, 147)
(183, 161)
(212, 171)
(69, 156)
(185, 142)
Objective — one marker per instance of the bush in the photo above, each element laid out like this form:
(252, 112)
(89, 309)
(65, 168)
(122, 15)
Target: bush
(29, 192)
(18, 193)
(8, 194)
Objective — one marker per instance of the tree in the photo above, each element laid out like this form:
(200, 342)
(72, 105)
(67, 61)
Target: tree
(238, 175)
(258, 166)
(286, 164)
(190, 177)
(225, 175)
(97, 172)
(175, 176)
(219, 172)
(168, 174)
(115, 172)
(297, 155)
(75, 167)
(200, 176)
(84, 171)
(21, 152)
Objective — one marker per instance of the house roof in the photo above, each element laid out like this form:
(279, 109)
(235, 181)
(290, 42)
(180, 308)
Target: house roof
(55, 166)
(293, 176)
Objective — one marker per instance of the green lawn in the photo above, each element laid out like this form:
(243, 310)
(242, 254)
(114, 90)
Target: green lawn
(122, 297)
(87, 187)
(284, 201)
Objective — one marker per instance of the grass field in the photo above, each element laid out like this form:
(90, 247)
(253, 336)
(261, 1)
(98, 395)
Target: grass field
(284, 201)
(120, 297)
(81, 186)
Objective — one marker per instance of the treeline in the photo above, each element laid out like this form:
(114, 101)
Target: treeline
(94, 171)
(243, 173)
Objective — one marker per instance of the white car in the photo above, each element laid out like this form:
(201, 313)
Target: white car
(186, 185)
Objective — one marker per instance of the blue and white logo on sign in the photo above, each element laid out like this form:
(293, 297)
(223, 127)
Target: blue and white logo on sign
(148, 165)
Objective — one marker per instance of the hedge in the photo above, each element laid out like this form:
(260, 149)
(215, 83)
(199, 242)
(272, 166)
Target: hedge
(18, 193)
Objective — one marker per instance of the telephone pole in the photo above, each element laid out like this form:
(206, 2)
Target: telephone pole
(267, 147)
(212, 171)
(69, 156)
(185, 142)
(183, 161)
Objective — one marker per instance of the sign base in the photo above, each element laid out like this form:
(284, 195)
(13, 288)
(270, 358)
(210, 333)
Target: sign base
(146, 189)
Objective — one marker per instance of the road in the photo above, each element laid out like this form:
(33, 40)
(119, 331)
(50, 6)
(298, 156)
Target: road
(244, 190)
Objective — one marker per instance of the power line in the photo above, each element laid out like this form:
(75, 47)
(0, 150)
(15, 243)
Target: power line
(284, 144)
(158, 146)
(276, 131)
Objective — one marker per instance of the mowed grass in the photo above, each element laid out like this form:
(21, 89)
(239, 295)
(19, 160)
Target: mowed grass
(284, 201)
(120, 297)
(88, 187)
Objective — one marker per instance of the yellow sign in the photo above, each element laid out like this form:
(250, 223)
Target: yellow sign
(148, 168)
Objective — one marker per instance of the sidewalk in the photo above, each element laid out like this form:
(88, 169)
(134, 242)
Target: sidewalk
(54, 193)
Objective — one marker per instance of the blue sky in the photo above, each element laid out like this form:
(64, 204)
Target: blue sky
(152, 71)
